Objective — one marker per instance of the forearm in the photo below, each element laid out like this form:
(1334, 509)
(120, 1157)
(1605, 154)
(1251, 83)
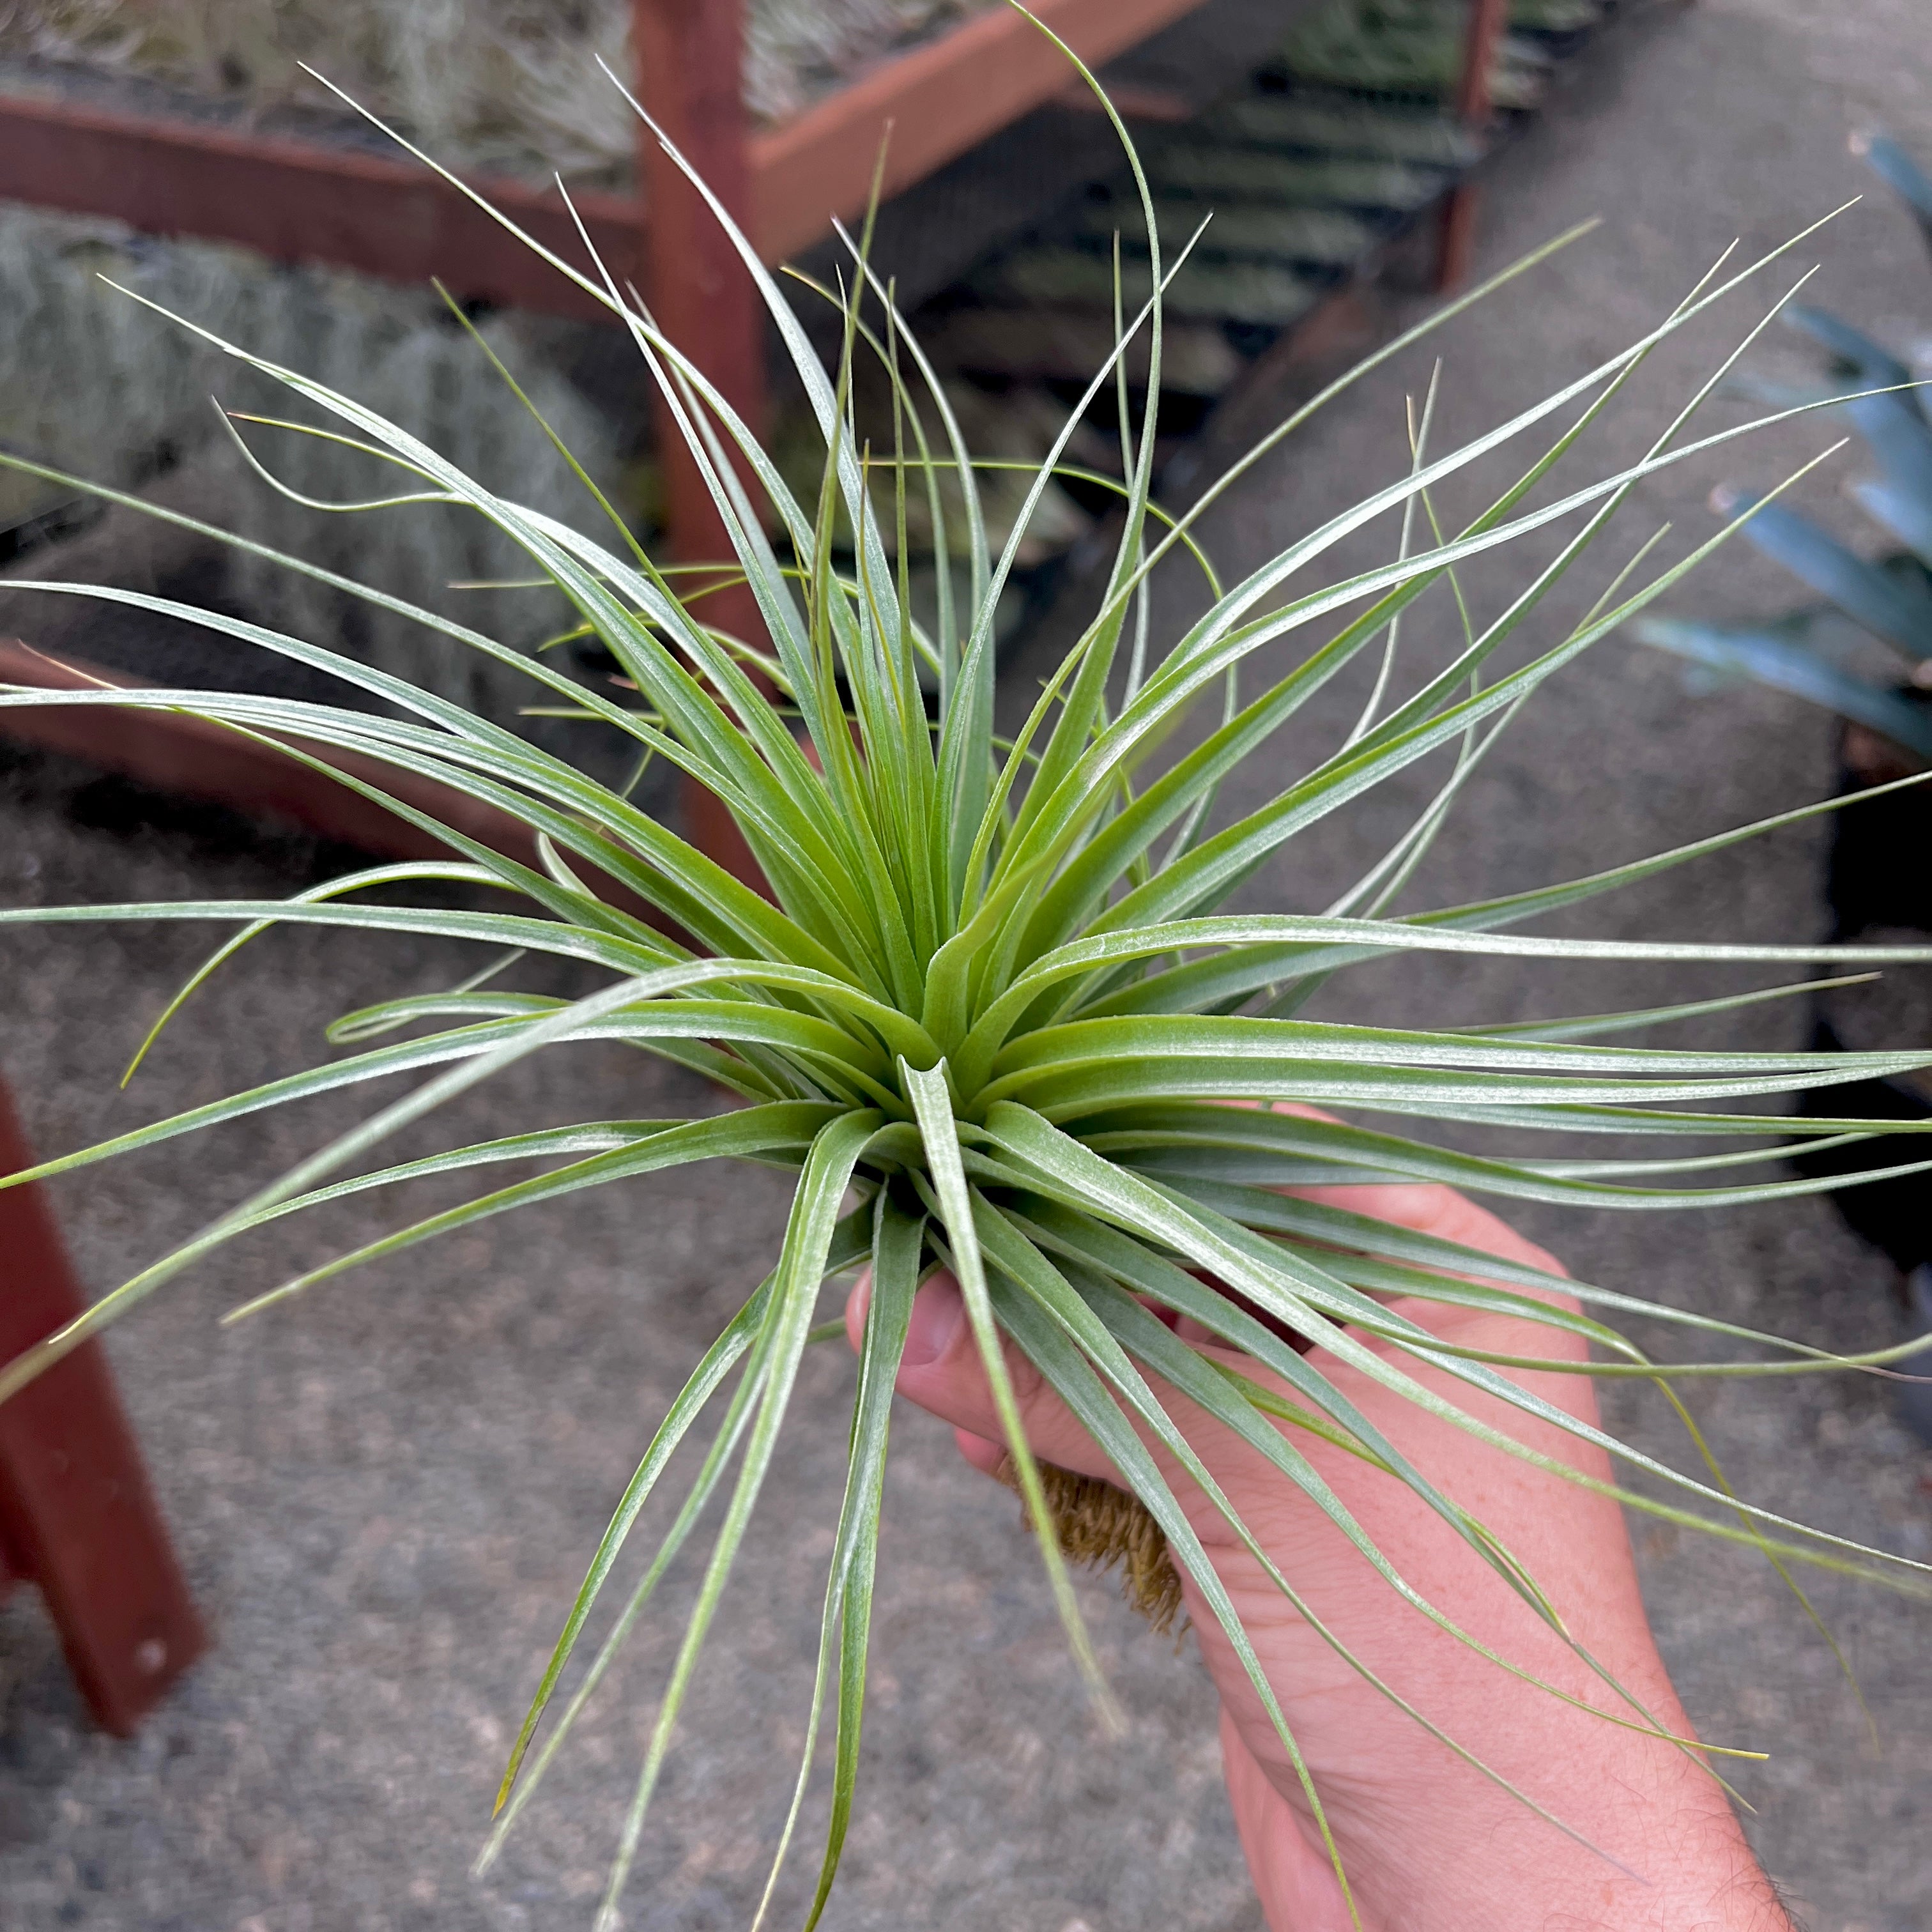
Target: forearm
(1628, 1833)
(1677, 1864)
(1587, 1824)
(1564, 1810)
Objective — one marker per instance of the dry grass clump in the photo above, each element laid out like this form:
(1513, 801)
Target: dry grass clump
(1418, 46)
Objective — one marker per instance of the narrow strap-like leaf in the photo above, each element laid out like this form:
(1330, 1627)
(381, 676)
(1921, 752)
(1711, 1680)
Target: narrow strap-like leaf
(898, 1246)
(787, 1125)
(802, 1267)
(932, 1103)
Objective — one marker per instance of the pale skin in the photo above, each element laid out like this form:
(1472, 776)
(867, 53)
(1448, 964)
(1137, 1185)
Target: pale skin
(1428, 1843)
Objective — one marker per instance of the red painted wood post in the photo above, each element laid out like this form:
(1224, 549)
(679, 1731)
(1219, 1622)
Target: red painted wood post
(1455, 246)
(77, 1515)
(690, 56)
(295, 200)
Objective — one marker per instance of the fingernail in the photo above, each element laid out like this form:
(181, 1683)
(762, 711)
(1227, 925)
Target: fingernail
(937, 1310)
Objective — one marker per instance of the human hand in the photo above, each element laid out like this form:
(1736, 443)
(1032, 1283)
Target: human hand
(1429, 1842)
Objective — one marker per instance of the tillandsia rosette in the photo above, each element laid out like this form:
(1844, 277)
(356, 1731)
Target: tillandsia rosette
(992, 994)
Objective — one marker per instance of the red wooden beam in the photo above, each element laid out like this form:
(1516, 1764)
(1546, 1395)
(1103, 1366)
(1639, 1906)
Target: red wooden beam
(938, 101)
(1488, 20)
(304, 200)
(690, 56)
(297, 200)
(77, 1515)
(186, 757)
(1455, 246)
(194, 758)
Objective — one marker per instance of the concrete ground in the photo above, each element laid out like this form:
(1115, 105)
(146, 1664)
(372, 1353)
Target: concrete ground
(385, 1494)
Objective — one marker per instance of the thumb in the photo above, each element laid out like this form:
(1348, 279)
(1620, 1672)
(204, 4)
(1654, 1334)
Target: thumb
(942, 1371)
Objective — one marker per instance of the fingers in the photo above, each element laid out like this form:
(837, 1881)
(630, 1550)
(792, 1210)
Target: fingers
(1429, 1208)
(942, 1371)
(984, 1456)
(1425, 1207)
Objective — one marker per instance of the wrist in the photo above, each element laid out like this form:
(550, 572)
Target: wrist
(1655, 1855)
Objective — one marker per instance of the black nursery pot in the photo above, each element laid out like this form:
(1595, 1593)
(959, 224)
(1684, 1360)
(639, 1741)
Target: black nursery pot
(1894, 1216)
(1877, 875)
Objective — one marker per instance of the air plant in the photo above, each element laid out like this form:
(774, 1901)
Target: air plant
(993, 990)
(1819, 652)
(1267, 294)
(1418, 46)
(512, 85)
